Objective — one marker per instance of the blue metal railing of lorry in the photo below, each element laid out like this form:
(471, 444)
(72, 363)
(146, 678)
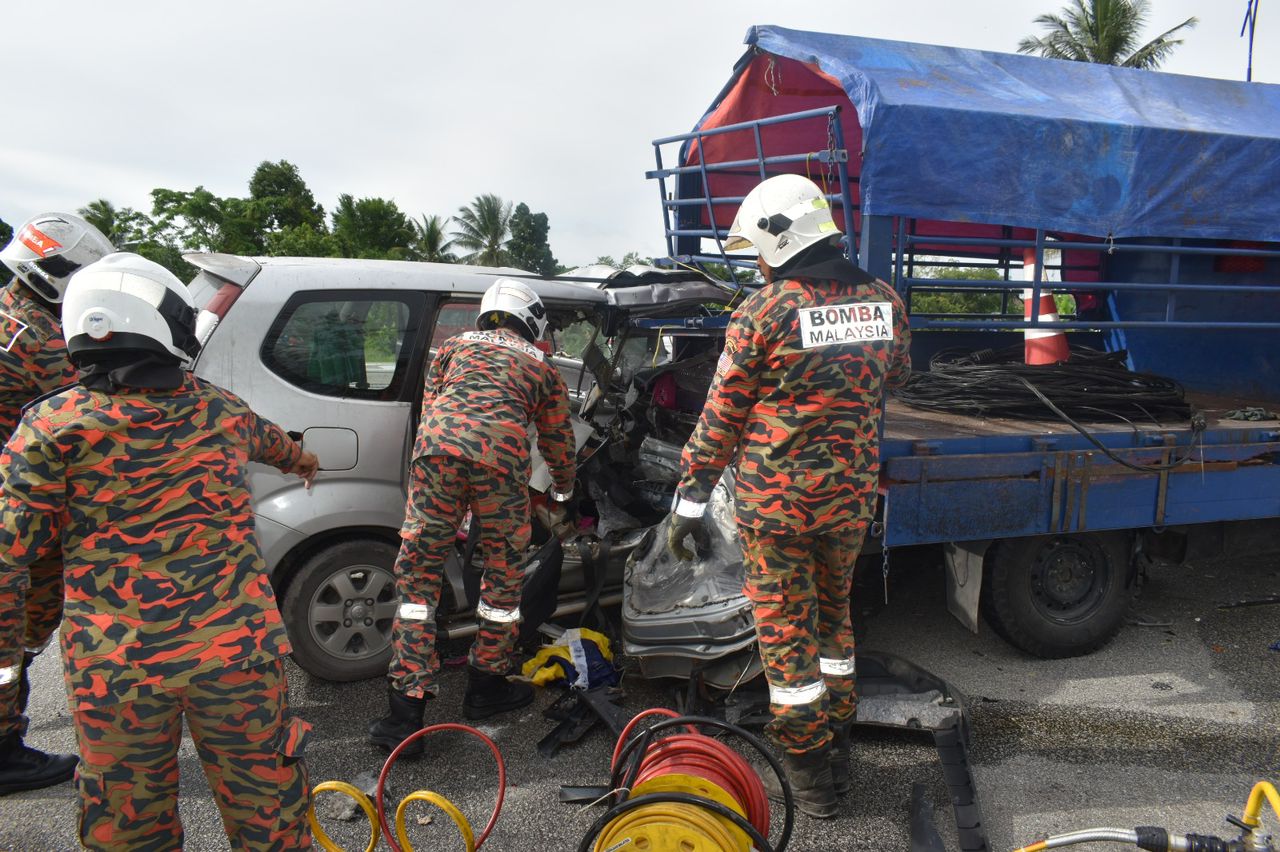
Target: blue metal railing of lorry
(684, 241)
(1031, 482)
(684, 236)
(1223, 319)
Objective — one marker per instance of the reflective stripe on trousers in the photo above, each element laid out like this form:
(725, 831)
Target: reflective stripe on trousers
(415, 612)
(792, 695)
(799, 590)
(499, 616)
(837, 668)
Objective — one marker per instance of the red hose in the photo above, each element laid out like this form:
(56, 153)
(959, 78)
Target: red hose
(697, 754)
(626, 732)
(711, 759)
(387, 833)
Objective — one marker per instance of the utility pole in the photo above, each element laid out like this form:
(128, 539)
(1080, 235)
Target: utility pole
(1250, 21)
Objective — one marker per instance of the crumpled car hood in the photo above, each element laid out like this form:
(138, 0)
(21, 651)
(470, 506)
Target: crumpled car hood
(681, 617)
(657, 583)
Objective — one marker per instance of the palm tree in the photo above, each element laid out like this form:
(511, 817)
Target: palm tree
(1103, 31)
(102, 214)
(430, 242)
(483, 229)
(123, 226)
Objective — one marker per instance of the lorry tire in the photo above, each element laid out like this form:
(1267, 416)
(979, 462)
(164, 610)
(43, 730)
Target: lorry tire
(338, 610)
(1059, 596)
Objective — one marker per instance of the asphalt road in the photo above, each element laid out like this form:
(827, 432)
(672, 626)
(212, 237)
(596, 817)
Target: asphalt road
(1169, 725)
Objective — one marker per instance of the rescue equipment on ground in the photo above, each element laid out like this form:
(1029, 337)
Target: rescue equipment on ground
(1158, 839)
(687, 792)
(581, 658)
(379, 827)
(1250, 412)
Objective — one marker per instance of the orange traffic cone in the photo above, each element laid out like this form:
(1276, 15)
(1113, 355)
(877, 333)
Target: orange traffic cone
(1041, 346)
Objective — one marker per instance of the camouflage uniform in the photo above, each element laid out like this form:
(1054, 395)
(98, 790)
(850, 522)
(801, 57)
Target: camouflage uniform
(33, 362)
(796, 403)
(169, 610)
(33, 355)
(472, 452)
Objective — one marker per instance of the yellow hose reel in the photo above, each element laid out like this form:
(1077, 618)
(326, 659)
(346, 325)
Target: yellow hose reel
(366, 804)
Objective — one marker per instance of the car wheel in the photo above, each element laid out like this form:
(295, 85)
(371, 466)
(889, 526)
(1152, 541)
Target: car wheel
(1059, 595)
(339, 608)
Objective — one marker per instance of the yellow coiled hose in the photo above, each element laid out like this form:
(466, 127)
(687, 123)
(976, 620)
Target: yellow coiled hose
(326, 843)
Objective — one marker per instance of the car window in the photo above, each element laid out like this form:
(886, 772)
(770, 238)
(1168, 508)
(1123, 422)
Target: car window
(456, 317)
(453, 318)
(347, 346)
(573, 339)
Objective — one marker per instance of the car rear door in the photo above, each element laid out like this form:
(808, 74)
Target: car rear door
(341, 369)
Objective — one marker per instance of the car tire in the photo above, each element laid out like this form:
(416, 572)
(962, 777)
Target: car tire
(336, 633)
(1059, 595)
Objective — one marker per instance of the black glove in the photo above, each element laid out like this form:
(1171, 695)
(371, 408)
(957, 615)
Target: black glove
(678, 528)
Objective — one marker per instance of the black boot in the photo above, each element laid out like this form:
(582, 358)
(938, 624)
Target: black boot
(841, 751)
(26, 768)
(490, 694)
(809, 774)
(403, 720)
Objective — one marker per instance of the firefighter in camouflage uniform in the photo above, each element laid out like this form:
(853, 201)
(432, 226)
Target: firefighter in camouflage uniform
(482, 392)
(138, 474)
(33, 362)
(795, 403)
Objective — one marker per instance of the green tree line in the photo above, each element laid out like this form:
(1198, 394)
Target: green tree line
(281, 217)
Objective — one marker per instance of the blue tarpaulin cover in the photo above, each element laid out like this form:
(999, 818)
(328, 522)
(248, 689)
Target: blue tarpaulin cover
(971, 136)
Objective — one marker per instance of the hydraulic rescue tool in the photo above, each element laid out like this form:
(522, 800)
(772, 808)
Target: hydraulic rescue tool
(1157, 839)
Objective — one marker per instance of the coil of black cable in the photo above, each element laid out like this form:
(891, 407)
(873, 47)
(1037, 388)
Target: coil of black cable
(1091, 386)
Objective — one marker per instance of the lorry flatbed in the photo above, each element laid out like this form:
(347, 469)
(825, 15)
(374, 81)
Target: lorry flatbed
(976, 183)
(904, 423)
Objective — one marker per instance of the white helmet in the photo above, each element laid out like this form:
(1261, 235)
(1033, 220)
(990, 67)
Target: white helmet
(781, 217)
(508, 298)
(126, 302)
(49, 248)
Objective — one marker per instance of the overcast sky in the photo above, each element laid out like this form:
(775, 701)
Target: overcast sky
(432, 103)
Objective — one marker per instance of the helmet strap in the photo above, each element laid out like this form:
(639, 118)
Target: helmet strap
(181, 319)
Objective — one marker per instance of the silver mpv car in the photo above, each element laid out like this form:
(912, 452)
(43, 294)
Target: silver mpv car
(335, 351)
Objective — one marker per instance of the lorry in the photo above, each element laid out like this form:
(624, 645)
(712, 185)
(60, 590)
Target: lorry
(1143, 202)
